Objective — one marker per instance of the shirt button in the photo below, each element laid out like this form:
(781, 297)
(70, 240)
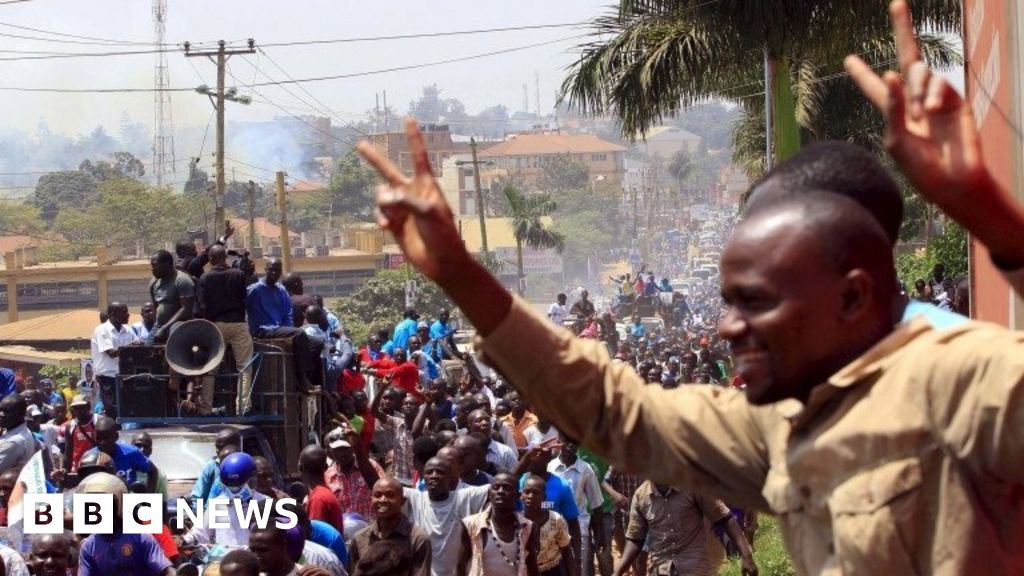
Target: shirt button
(805, 492)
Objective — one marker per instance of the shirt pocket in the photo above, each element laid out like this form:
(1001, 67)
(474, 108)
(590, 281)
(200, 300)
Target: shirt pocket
(876, 518)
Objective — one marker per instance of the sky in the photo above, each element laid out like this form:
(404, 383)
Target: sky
(478, 83)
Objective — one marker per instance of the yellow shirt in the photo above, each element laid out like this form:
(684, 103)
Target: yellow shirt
(907, 461)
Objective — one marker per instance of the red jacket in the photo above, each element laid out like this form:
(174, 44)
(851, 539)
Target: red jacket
(405, 376)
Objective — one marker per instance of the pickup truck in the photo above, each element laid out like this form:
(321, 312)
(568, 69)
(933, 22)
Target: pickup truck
(180, 452)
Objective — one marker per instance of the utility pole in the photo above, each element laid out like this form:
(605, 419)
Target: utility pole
(479, 193)
(220, 58)
(286, 240)
(252, 215)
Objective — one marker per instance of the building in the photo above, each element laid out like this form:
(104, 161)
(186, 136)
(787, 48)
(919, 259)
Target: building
(523, 155)
(28, 291)
(667, 141)
(458, 185)
(395, 146)
(994, 56)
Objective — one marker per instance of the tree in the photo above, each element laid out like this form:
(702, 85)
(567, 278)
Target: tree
(561, 173)
(652, 59)
(58, 190)
(527, 212)
(679, 167)
(591, 223)
(20, 218)
(948, 248)
(429, 107)
(198, 180)
(350, 194)
(379, 302)
(131, 215)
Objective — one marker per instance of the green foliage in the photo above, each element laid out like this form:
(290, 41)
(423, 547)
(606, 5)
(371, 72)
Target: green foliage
(380, 301)
(59, 374)
(19, 218)
(949, 249)
(351, 191)
(769, 552)
(57, 190)
(591, 223)
(130, 214)
(562, 173)
(712, 122)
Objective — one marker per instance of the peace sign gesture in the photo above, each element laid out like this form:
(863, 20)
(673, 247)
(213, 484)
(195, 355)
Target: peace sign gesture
(931, 128)
(415, 211)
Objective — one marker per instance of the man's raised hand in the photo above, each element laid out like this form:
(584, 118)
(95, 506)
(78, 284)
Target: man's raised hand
(931, 128)
(415, 211)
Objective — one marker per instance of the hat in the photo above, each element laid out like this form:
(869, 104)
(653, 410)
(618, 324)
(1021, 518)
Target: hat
(423, 326)
(336, 439)
(33, 412)
(79, 400)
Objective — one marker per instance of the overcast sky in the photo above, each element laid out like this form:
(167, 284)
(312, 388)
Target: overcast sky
(478, 83)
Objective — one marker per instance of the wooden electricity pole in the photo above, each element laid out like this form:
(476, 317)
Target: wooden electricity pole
(252, 216)
(220, 58)
(286, 241)
(479, 193)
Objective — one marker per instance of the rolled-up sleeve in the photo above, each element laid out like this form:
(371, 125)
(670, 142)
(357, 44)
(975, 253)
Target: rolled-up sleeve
(707, 438)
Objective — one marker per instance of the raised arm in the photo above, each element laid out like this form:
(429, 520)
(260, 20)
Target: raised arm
(702, 437)
(932, 135)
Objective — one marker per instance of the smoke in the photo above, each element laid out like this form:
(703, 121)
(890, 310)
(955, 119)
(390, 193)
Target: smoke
(282, 144)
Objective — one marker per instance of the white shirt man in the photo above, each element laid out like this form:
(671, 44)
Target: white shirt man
(107, 337)
(586, 489)
(558, 311)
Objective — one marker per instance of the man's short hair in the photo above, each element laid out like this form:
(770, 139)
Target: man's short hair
(163, 257)
(244, 558)
(841, 168)
(184, 248)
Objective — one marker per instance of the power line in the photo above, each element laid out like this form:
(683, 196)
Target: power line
(13, 2)
(325, 108)
(422, 35)
(421, 65)
(175, 48)
(295, 81)
(79, 37)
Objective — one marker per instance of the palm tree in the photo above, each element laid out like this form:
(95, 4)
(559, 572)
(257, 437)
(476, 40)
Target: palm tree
(527, 212)
(651, 59)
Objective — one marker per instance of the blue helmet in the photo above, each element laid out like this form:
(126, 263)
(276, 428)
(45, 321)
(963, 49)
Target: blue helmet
(236, 469)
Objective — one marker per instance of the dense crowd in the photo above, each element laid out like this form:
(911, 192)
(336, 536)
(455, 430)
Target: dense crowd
(432, 464)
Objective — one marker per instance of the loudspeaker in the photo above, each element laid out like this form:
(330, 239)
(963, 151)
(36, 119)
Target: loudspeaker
(142, 360)
(143, 397)
(194, 347)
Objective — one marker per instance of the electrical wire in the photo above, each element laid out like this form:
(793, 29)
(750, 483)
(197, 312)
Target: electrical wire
(76, 36)
(294, 81)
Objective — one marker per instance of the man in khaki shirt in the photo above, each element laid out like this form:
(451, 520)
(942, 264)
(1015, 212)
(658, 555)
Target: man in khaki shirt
(884, 448)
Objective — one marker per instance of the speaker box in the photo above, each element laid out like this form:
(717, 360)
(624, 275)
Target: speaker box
(142, 360)
(141, 398)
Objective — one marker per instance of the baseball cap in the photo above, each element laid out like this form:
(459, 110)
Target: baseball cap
(79, 400)
(33, 412)
(422, 326)
(336, 439)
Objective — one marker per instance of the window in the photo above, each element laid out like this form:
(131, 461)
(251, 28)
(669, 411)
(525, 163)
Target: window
(599, 157)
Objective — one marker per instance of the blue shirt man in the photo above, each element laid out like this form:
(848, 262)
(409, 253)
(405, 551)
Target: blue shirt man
(403, 331)
(268, 306)
(129, 554)
(328, 536)
(128, 461)
(558, 496)
(637, 329)
(8, 384)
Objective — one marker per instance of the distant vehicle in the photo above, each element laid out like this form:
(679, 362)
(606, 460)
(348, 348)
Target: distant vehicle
(713, 255)
(703, 273)
(180, 452)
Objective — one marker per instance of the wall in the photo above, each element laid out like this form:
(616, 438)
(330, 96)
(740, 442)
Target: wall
(992, 47)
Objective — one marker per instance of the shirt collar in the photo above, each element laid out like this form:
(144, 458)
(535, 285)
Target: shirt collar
(860, 370)
(403, 528)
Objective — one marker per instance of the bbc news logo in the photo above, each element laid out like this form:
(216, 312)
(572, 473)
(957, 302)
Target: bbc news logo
(143, 513)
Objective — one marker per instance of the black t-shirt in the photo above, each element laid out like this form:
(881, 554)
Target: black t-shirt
(222, 295)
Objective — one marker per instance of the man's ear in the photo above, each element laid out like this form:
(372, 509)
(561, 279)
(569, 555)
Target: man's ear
(857, 294)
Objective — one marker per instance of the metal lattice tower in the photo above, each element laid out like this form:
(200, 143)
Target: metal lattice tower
(163, 124)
